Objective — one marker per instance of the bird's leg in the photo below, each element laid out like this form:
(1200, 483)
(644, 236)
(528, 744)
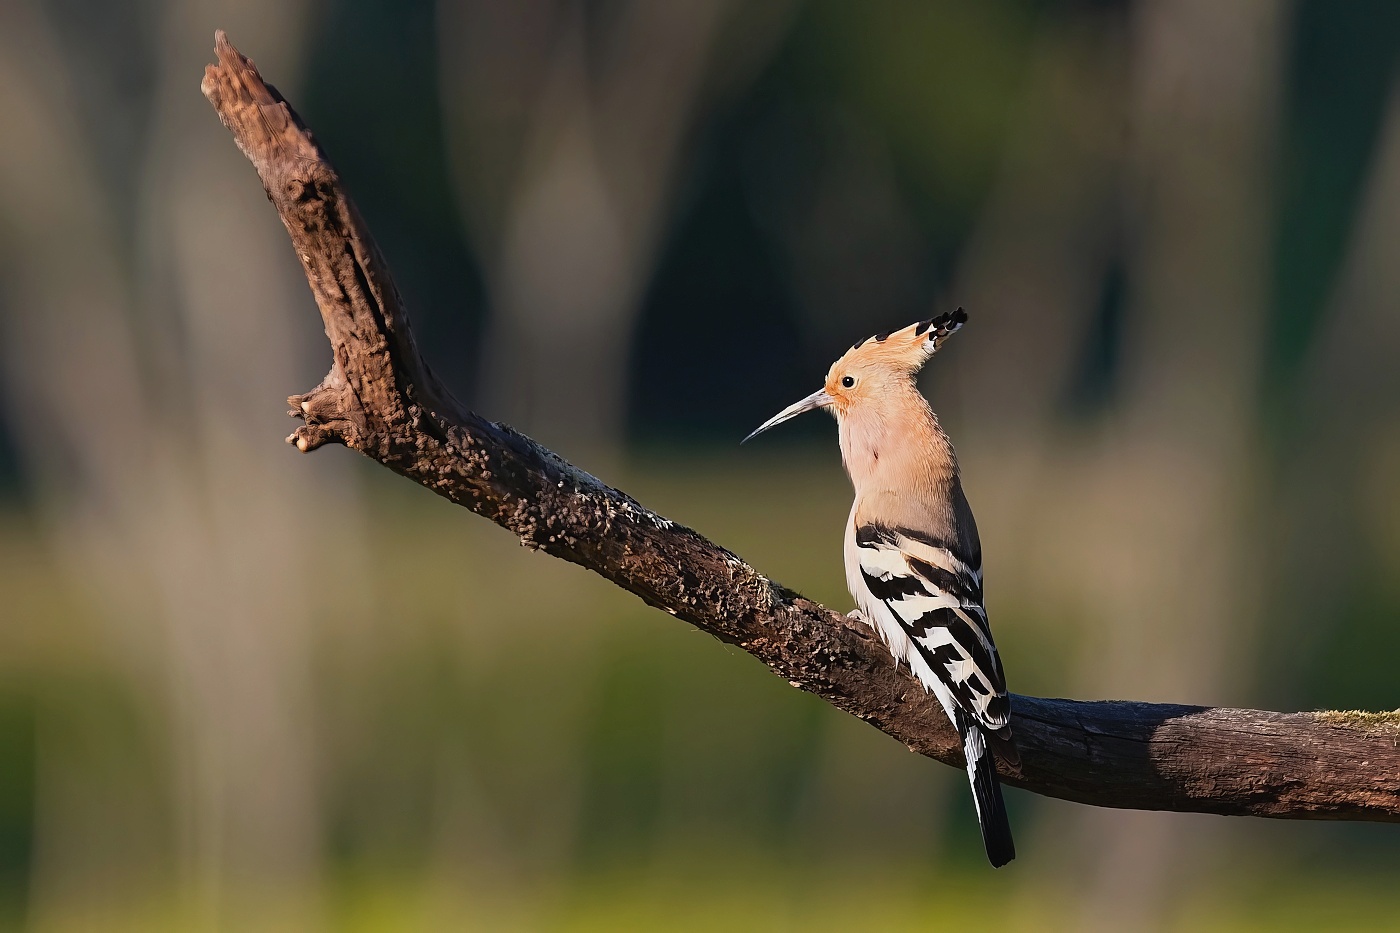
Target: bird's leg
(858, 616)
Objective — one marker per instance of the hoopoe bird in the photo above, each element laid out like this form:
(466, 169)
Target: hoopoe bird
(913, 559)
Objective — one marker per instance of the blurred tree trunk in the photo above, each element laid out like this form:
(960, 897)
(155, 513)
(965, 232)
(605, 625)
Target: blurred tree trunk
(567, 133)
(1138, 535)
(1347, 429)
(141, 375)
(240, 626)
(1173, 550)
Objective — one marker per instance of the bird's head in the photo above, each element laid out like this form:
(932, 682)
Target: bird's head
(871, 369)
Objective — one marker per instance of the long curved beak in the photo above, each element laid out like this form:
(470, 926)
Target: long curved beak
(818, 399)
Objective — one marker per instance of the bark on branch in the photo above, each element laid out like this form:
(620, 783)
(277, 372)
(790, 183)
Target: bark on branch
(380, 399)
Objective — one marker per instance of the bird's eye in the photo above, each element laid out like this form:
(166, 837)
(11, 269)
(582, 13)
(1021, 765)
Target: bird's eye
(848, 381)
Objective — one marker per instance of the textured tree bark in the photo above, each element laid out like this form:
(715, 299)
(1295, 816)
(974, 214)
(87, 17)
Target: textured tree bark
(380, 398)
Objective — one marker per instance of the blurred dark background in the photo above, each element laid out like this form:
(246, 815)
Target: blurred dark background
(240, 688)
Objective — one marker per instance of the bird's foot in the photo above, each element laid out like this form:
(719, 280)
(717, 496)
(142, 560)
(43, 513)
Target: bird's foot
(858, 616)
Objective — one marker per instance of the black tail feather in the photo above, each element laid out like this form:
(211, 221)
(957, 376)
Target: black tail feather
(996, 828)
(986, 790)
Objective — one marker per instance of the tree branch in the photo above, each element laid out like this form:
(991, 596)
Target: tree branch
(381, 399)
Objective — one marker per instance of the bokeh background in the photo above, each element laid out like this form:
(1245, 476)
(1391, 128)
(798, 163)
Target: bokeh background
(245, 689)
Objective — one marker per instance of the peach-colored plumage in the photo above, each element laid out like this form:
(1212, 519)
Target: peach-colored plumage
(913, 559)
(900, 461)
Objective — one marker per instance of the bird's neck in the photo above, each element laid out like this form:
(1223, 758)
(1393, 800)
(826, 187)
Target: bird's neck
(896, 445)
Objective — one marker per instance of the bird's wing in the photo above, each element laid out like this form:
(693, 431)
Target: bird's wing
(936, 596)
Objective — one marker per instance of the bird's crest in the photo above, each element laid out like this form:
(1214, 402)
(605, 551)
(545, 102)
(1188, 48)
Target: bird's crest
(908, 348)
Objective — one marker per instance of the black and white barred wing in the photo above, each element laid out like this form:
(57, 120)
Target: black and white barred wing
(936, 598)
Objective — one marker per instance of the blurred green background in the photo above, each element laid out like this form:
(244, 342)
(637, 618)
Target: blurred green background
(245, 689)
